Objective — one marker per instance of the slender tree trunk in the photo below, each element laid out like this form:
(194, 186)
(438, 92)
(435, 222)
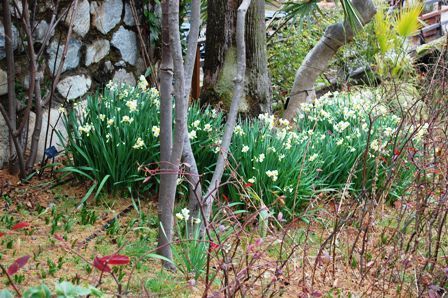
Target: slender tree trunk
(193, 178)
(37, 91)
(319, 57)
(258, 86)
(166, 83)
(167, 193)
(11, 71)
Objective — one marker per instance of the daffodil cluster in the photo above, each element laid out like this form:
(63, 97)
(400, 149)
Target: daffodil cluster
(319, 150)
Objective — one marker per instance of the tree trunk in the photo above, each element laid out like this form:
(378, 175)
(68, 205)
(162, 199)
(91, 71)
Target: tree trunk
(319, 57)
(166, 81)
(258, 87)
(205, 206)
(219, 63)
(193, 178)
(11, 70)
(167, 193)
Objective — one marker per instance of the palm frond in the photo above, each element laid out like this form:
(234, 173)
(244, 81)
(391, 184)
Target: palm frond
(297, 11)
(351, 15)
(382, 26)
(407, 22)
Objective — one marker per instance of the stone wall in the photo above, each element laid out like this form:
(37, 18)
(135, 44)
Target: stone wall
(103, 46)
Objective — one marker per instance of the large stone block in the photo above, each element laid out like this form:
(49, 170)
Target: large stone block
(81, 22)
(106, 15)
(40, 30)
(126, 42)
(56, 127)
(97, 51)
(128, 16)
(74, 86)
(121, 76)
(15, 39)
(72, 58)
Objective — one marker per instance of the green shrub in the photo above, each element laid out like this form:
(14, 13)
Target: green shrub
(286, 52)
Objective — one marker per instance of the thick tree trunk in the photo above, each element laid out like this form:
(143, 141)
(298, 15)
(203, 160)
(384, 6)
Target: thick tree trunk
(319, 57)
(219, 63)
(258, 87)
(238, 93)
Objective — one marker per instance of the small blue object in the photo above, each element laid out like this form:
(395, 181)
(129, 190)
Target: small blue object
(51, 152)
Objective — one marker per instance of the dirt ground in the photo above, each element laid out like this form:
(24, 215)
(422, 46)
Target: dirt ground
(62, 241)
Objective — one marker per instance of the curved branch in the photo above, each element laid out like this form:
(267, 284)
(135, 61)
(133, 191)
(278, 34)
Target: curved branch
(318, 59)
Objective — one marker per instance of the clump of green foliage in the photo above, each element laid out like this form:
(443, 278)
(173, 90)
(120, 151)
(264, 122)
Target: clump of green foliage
(114, 133)
(117, 131)
(342, 141)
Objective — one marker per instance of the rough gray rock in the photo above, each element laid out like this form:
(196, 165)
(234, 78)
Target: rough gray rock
(3, 82)
(40, 31)
(15, 39)
(81, 22)
(126, 42)
(54, 123)
(121, 76)
(74, 86)
(128, 17)
(106, 15)
(97, 51)
(108, 66)
(120, 63)
(140, 68)
(16, 10)
(72, 58)
(58, 125)
(26, 79)
(4, 142)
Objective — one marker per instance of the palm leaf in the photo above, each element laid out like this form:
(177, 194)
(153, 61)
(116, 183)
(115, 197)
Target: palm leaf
(382, 27)
(407, 22)
(296, 11)
(351, 15)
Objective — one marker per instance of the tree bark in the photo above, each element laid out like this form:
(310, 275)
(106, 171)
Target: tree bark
(318, 59)
(37, 91)
(193, 178)
(220, 64)
(166, 134)
(238, 93)
(167, 193)
(11, 71)
(258, 87)
(218, 50)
